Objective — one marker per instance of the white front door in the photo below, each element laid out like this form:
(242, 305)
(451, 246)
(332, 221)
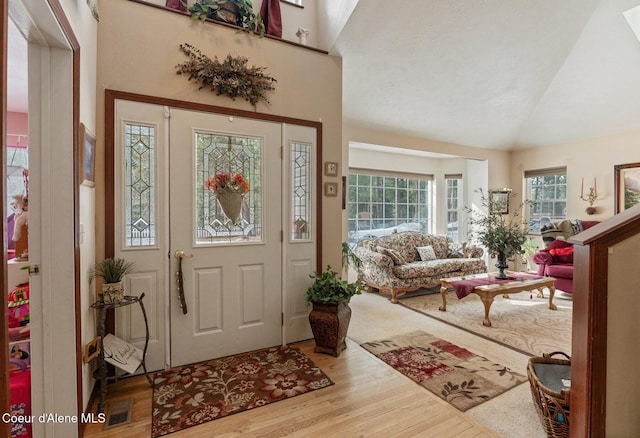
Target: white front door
(242, 279)
(232, 269)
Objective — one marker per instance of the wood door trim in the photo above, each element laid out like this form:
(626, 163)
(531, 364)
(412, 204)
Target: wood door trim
(5, 428)
(109, 139)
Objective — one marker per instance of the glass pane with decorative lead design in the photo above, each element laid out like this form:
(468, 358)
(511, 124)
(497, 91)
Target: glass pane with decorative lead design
(140, 190)
(228, 188)
(300, 191)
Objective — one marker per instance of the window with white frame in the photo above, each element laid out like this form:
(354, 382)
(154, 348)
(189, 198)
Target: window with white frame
(547, 194)
(454, 192)
(384, 203)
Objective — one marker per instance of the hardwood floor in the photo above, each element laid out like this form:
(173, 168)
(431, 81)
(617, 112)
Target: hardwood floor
(369, 399)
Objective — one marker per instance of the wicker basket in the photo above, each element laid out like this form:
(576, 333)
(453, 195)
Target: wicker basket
(552, 406)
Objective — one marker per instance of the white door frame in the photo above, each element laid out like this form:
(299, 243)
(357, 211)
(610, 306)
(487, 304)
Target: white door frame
(53, 218)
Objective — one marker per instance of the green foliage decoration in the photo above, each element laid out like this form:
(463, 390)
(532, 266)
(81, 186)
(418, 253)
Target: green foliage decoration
(328, 288)
(237, 12)
(112, 270)
(231, 76)
(498, 232)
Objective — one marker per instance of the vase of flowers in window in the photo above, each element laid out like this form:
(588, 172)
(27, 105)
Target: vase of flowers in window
(503, 235)
(230, 191)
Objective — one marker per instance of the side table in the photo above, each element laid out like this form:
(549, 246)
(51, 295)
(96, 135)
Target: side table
(101, 371)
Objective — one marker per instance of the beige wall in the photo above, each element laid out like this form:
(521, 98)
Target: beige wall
(623, 349)
(142, 59)
(589, 159)
(498, 160)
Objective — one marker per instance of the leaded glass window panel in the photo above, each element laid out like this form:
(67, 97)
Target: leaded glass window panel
(300, 191)
(221, 155)
(140, 185)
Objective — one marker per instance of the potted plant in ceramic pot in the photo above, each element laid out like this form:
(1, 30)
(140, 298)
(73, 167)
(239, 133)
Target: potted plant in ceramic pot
(500, 232)
(331, 314)
(112, 272)
(329, 296)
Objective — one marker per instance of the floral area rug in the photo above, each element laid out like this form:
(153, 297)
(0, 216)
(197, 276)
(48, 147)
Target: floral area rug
(193, 394)
(453, 373)
(521, 322)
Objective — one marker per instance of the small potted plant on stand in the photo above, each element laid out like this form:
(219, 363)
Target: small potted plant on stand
(502, 234)
(112, 272)
(331, 314)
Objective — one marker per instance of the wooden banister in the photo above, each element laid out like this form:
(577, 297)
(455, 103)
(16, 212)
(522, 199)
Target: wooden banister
(590, 326)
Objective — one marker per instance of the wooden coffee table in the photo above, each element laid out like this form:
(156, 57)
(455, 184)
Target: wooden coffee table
(488, 292)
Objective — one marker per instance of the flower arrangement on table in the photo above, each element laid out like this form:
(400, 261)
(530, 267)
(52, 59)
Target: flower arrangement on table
(229, 191)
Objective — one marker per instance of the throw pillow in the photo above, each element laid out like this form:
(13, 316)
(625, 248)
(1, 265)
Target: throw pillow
(393, 254)
(456, 250)
(562, 255)
(426, 253)
(558, 244)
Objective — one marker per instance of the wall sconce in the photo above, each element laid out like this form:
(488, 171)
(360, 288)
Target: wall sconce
(590, 197)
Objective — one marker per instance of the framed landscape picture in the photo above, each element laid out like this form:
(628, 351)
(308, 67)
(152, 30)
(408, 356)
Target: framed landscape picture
(626, 186)
(499, 202)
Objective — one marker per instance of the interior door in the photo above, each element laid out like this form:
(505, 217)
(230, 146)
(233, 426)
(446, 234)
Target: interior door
(231, 267)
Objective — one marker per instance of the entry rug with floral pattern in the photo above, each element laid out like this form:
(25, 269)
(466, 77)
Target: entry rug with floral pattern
(193, 394)
(453, 373)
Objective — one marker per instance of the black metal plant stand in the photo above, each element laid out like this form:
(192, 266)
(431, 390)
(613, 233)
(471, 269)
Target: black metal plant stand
(101, 371)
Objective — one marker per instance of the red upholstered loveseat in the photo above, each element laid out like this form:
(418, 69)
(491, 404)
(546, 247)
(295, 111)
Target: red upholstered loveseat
(556, 260)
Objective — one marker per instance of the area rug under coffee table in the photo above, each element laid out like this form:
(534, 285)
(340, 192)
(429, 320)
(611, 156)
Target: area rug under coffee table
(193, 394)
(521, 322)
(453, 373)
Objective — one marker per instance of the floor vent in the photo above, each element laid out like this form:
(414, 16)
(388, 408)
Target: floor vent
(118, 413)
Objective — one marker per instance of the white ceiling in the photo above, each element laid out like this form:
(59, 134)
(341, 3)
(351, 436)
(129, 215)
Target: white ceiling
(502, 74)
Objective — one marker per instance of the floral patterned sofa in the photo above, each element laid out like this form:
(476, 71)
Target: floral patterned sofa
(403, 262)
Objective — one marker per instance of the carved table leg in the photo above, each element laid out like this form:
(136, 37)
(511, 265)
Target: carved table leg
(487, 300)
(443, 294)
(394, 296)
(552, 291)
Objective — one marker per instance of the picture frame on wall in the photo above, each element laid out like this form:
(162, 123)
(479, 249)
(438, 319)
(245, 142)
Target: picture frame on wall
(626, 186)
(330, 168)
(87, 156)
(499, 202)
(331, 189)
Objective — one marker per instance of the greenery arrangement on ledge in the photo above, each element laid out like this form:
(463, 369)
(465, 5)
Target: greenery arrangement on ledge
(237, 12)
(499, 233)
(232, 76)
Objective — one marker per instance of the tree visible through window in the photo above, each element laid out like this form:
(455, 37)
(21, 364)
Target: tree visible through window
(381, 204)
(547, 192)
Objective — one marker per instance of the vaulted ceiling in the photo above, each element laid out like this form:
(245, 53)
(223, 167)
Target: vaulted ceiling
(501, 74)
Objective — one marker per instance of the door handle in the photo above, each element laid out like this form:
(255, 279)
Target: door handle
(180, 278)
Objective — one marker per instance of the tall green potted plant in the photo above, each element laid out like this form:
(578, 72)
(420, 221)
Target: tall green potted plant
(330, 314)
(112, 272)
(502, 234)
